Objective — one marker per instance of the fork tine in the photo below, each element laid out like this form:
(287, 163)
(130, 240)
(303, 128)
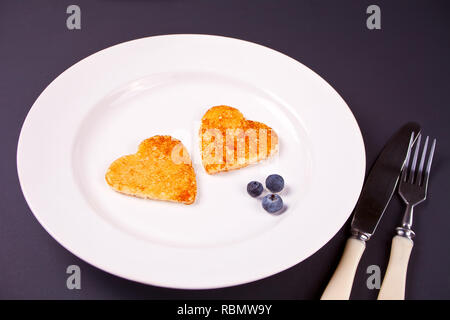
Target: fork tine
(414, 162)
(405, 167)
(422, 161)
(430, 160)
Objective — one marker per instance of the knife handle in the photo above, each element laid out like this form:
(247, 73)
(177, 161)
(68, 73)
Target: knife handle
(341, 282)
(393, 287)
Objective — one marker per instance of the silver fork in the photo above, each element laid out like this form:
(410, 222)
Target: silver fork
(413, 190)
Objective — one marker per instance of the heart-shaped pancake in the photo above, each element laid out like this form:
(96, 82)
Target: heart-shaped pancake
(228, 141)
(160, 170)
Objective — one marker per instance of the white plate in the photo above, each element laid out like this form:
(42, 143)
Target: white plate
(103, 106)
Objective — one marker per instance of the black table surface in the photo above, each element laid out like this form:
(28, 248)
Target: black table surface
(387, 77)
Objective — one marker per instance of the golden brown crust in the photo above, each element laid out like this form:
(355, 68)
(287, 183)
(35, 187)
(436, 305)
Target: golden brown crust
(161, 169)
(228, 141)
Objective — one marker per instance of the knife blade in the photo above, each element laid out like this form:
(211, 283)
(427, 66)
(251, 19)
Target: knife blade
(373, 201)
(381, 182)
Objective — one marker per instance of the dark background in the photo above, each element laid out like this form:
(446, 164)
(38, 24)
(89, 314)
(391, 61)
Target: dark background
(386, 76)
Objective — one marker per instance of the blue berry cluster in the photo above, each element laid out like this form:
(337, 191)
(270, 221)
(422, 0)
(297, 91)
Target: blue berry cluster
(272, 202)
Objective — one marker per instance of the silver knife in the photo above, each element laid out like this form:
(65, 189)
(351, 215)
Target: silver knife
(375, 196)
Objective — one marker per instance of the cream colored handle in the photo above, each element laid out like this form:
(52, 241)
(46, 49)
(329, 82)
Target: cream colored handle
(393, 287)
(341, 282)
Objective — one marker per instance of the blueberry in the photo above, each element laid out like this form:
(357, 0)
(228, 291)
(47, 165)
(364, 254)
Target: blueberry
(254, 188)
(272, 203)
(275, 183)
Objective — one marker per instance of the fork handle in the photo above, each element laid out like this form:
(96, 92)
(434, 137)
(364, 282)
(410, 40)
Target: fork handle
(393, 287)
(341, 282)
